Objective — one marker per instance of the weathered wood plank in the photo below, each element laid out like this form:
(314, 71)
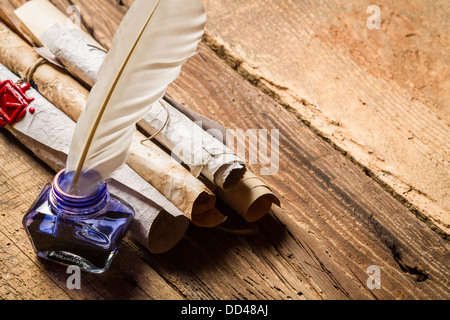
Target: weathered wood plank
(24, 276)
(335, 220)
(329, 204)
(378, 95)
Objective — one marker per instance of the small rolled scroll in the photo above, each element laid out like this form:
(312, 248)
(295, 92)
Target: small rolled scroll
(83, 58)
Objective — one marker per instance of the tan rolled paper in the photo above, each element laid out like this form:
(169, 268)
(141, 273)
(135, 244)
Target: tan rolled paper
(70, 96)
(158, 224)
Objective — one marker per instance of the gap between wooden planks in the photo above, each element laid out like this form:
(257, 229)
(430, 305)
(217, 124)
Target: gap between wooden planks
(336, 221)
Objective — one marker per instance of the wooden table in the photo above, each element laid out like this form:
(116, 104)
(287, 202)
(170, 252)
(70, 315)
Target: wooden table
(364, 179)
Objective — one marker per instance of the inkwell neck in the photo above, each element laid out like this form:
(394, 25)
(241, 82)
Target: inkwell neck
(66, 203)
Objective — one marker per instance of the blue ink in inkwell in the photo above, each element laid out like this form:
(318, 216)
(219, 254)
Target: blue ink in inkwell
(82, 230)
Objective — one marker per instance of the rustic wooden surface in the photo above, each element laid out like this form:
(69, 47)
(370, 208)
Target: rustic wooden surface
(338, 215)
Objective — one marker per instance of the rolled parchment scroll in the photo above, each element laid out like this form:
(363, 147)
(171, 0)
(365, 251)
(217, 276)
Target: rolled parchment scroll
(37, 16)
(251, 198)
(158, 224)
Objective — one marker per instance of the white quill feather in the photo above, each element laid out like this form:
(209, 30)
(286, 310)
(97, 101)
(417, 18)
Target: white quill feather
(153, 41)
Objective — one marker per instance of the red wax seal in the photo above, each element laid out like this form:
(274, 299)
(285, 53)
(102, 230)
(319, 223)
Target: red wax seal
(13, 102)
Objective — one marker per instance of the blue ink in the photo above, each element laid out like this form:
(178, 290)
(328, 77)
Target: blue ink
(77, 230)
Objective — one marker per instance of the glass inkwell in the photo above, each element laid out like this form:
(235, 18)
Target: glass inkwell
(78, 228)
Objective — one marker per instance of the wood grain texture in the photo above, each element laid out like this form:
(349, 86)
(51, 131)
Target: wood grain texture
(334, 223)
(378, 95)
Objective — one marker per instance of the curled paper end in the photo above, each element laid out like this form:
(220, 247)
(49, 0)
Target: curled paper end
(252, 199)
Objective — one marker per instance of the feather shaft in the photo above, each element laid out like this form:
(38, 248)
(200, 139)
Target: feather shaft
(84, 154)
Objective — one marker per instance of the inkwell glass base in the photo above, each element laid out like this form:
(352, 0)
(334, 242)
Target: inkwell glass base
(85, 231)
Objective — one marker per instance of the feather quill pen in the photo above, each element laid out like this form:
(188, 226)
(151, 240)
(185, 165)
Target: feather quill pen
(149, 48)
